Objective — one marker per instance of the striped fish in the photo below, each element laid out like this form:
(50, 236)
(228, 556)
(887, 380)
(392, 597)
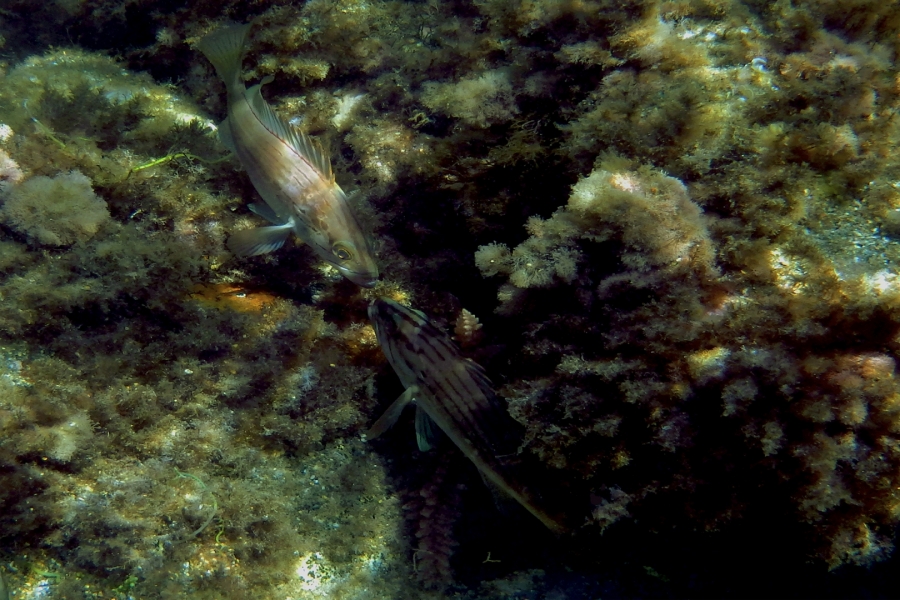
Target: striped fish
(288, 169)
(451, 394)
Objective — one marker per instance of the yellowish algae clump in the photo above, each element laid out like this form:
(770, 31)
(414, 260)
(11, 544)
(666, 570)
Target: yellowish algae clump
(478, 100)
(55, 211)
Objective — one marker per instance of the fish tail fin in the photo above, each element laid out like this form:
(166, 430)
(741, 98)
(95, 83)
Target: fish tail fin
(225, 48)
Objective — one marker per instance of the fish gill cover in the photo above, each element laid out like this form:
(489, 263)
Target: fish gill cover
(676, 222)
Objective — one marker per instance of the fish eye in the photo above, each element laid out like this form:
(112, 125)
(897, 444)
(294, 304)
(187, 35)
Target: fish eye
(342, 252)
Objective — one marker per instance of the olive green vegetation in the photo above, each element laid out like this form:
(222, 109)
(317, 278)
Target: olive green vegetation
(677, 222)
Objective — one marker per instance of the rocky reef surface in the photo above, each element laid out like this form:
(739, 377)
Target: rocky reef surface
(677, 224)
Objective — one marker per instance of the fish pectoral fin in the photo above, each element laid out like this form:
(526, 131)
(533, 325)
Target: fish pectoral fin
(391, 415)
(259, 240)
(265, 211)
(427, 431)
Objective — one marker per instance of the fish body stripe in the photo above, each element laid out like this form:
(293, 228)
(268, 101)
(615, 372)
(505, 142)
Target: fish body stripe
(456, 383)
(269, 160)
(458, 390)
(431, 362)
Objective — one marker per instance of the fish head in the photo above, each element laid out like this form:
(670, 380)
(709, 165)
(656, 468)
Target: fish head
(354, 262)
(393, 321)
(334, 233)
(400, 332)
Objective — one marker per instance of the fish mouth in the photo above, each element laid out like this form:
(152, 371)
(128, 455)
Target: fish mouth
(366, 280)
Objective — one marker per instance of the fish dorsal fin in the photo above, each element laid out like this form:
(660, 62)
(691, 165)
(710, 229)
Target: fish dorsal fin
(312, 149)
(304, 145)
(427, 431)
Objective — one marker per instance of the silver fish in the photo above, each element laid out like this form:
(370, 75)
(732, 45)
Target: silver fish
(453, 394)
(288, 169)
